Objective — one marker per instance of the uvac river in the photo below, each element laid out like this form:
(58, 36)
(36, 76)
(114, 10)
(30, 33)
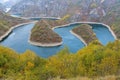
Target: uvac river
(18, 40)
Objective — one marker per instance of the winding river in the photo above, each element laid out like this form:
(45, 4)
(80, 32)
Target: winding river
(18, 39)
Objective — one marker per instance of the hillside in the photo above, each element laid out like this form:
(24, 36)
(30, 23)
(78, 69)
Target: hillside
(78, 9)
(35, 8)
(112, 18)
(92, 62)
(7, 22)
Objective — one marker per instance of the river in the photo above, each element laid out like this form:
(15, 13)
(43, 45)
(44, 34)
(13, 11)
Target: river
(18, 40)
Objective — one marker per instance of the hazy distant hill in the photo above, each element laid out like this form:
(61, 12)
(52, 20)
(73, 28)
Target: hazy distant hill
(10, 3)
(35, 8)
(78, 9)
(2, 8)
(54, 8)
(6, 22)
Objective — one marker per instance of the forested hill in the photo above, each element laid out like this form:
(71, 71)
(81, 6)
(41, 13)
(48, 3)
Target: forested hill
(93, 61)
(80, 10)
(6, 22)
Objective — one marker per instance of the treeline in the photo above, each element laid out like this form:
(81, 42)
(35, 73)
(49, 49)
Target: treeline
(92, 61)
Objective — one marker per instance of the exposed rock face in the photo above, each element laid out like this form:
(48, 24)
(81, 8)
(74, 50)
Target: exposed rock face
(37, 8)
(10, 3)
(56, 8)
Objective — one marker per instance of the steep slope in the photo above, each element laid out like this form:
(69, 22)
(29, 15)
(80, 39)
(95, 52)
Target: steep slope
(79, 9)
(112, 18)
(42, 8)
(7, 22)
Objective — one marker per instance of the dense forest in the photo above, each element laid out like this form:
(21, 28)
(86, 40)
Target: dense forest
(93, 61)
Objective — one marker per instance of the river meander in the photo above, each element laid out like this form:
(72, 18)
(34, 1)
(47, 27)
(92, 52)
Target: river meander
(18, 39)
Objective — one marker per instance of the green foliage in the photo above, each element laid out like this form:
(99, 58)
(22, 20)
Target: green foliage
(92, 61)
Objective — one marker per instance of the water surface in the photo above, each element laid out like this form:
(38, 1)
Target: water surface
(18, 39)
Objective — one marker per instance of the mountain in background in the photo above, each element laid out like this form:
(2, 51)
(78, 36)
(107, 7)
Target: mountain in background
(10, 3)
(2, 7)
(105, 11)
(85, 10)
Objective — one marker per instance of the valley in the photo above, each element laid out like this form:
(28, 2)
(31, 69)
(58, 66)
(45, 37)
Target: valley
(59, 39)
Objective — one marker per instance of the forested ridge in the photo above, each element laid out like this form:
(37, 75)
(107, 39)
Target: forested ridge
(92, 61)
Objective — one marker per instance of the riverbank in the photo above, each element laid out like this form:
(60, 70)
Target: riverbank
(85, 32)
(10, 30)
(79, 37)
(113, 34)
(45, 44)
(32, 18)
(57, 43)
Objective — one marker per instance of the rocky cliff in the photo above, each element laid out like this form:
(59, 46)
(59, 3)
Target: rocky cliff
(57, 8)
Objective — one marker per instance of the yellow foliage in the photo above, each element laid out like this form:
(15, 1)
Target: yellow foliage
(65, 17)
(28, 55)
(29, 65)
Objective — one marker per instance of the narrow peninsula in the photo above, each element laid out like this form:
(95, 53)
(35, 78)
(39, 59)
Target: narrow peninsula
(7, 23)
(43, 35)
(85, 32)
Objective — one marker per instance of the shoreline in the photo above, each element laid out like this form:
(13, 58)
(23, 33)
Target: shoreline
(29, 18)
(12, 28)
(44, 17)
(59, 43)
(111, 31)
(45, 44)
(79, 37)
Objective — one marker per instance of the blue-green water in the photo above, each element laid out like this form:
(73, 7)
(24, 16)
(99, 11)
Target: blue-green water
(102, 33)
(18, 40)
